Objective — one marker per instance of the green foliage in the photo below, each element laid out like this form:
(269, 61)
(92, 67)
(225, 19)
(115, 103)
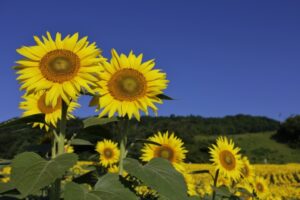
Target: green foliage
(74, 191)
(289, 132)
(30, 172)
(23, 120)
(6, 187)
(96, 121)
(78, 141)
(15, 140)
(108, 187)
(159, 175)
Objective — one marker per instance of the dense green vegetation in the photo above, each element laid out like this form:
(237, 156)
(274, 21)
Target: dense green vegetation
(289, 132)
(197, 132)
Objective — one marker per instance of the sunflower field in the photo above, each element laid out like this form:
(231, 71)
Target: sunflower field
(55, 72)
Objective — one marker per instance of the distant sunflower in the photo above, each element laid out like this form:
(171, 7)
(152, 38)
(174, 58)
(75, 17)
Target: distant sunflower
(35, 104)
(61, 66)
(171, 148)
(226, 158)
(261, 187)
(127, 85)
(109, 152)
(246, 193)
(69, 148)
(247, 170)
(114, 169)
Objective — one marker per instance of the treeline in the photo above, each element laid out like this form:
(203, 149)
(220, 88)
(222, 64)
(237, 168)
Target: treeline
(22, 137)
(197, 125)
(289, 132)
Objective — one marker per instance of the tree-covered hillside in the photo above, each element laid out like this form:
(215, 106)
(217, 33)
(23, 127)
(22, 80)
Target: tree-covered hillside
(15, 139)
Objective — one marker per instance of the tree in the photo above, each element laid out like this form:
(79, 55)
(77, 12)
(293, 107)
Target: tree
(289, 132)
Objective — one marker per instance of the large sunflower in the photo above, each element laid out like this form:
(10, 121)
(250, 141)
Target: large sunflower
(171, 148)
(261, 187)
(226, 158)
(127, 85)
(109, 152)
(61, 66)
(35, 104)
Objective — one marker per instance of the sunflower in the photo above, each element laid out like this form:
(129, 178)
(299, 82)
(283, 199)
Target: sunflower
(109, 152)
(244, 191)
(247, 169)
(261, 187)
(171, 148)
(127, 86)
(35, 104)
(69, 148)
(61, 66)
(226, 158)
(223, 181)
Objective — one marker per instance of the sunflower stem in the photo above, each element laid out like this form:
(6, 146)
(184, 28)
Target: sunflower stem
(215, 184)
(60, 144)
(63, 126)
(53, 148)
(123, 143)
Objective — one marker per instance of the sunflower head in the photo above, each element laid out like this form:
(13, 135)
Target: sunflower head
(128, 85)
(246, 193)
(69, 148)
(226, 158)
(247, 170)
(171, 148)
(35, 104)
(63, 67)
(261, 187)
(109, 152)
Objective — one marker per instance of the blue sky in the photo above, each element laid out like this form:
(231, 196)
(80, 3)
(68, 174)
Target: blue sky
(221, 57)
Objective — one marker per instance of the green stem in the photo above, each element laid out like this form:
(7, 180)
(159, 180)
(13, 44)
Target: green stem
(59, 148)
(53, 148)
(63, 126)
(215, 184)
(123, 143)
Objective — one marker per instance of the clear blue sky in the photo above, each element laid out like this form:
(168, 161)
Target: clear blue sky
(222, 57)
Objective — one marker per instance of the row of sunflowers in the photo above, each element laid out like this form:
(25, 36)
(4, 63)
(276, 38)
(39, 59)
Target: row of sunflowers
(236, 174)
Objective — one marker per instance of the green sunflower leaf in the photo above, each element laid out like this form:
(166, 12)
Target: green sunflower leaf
(96, 121)
(74, 191)
(78, 141)
(108, 187)
(165, 97)
(160, 175)
(23, 120)
(30, 172)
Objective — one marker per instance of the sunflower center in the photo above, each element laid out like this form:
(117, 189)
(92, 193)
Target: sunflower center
(245, 171)
(259, 187)
(127, 85)
(165, 152)
(59, 65)
(47, 109)
(227, 160)
(108, 153)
